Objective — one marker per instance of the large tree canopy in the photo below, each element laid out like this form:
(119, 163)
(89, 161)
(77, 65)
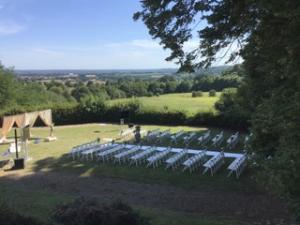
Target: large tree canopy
(175, 22)
(268, 34)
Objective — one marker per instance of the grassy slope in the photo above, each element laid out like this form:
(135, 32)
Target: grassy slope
(175, 102)
(48, 156)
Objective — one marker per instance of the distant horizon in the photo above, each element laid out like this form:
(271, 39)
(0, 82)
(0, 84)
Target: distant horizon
(100, 69)
(128, 69)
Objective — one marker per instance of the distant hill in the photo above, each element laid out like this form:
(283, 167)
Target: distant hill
(90, 71)
(213, 70)
(116, 73)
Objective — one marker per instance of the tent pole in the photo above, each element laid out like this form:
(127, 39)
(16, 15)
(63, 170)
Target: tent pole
(16, 144)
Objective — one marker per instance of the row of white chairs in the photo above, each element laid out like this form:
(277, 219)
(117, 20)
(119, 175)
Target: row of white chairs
(194, 162)
(203, 139)
(214, 163)
(152, 157)
(175, 137)
(91, 152)
(84, 147)
(123, 156)
(109, 154)
(217, 140)
(176, 159)
(189, 138)
(238, 166)
(164, 134)
(233, 140)
(152, 134)
(141, 157)
(159, 157)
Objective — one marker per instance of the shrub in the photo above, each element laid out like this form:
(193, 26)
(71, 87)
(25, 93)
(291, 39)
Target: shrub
(90, 212)
(10, 217)
(212, 93)
(197, 94)
(229, 107)
(160, 117)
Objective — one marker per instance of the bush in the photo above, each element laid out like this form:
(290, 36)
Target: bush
(212, 93)
(229, 107)
(10, 217)
(90, 212)
(163, 117)
(197, 94)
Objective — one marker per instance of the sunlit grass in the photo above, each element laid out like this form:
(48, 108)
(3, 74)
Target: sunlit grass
(175, 102)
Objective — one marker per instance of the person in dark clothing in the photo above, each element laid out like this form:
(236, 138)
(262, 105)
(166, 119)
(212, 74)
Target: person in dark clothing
(137, 134)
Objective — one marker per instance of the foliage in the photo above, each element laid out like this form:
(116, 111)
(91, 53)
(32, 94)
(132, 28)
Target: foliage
(229, 107)
(90, 212)
(197, 94)
(7, 87)
(9, 216)
(212, 93)
(218, 83)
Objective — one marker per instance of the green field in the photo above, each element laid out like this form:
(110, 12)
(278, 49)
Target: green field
(175, 102)
(167, 197)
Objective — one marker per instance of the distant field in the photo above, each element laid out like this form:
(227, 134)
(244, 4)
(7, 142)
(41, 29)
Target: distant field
(175, 102)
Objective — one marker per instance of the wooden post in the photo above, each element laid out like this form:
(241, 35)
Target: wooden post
(16, 144)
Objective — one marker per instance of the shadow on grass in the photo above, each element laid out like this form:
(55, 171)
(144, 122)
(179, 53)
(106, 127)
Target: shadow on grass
(218, 197)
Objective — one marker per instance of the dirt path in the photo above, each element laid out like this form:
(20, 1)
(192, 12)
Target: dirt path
(243, 206)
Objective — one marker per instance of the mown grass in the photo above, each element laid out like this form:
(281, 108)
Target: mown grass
(40, 204)
(49, 156)
(175, 102)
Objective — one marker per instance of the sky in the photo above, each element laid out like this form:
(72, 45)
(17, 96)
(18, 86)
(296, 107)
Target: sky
(77, 34)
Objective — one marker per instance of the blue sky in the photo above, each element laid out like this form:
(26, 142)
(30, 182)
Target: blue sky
(77, 34)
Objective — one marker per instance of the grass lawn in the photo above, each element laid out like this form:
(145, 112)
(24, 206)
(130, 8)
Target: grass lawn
(175, 102)
(167, 197)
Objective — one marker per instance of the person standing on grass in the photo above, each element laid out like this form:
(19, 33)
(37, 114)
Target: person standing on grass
(137, 134)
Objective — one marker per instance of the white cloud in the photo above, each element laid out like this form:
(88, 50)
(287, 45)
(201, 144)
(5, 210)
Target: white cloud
(46, 51)
(191, 45)
(137, 43)
(7, 28)
(149, 44)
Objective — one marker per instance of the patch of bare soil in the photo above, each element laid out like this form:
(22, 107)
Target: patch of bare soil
(248, 207)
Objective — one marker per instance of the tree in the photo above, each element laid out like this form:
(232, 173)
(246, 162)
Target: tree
(174, 22)
(184, 86)
(80, 92)
(7, 87)
(229, 106)
(266, 34)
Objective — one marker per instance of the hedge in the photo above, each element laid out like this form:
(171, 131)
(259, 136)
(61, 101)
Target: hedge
(132, 112)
